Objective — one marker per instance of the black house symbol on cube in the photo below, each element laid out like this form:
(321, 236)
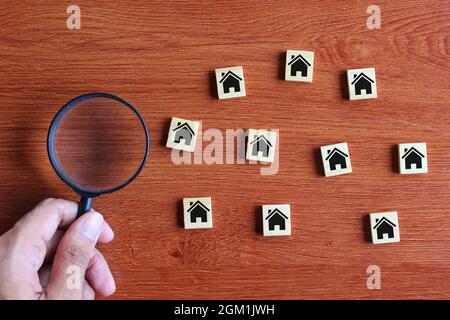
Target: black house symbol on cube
(413, 156)
(362, 82)
(183, 132)
(276, 218)
(337, 157)
(198, 210)
(384, 226)
(230, 80)
(299, 64)
(260, 144)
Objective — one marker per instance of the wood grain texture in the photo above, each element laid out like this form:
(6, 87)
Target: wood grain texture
(160, 55)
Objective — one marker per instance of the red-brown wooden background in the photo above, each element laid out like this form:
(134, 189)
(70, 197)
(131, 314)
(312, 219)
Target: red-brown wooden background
(160, 55)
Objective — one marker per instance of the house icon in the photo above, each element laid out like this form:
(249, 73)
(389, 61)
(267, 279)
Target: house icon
(384, 226)
(413, 156)
(299, 64)
(183, 132)
(362, 82)
(336, 157)
(276, 218)
(230, 80)
(260, 144)
(197, 211)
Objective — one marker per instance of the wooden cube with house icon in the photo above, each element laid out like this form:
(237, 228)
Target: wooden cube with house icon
(362, 84)
(261, 145)
(197, 213)
(299, 66)
(276, 220)
(182, 134)
(336, 159)
(384, 227)
(412, 158)
(230, 82)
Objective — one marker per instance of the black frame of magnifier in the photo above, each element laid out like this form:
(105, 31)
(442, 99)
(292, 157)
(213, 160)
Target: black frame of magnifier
(87, 194)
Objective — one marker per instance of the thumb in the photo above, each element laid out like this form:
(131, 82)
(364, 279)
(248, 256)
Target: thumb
(72, 257)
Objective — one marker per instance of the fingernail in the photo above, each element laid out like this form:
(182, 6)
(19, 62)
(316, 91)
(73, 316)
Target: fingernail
(92, 227)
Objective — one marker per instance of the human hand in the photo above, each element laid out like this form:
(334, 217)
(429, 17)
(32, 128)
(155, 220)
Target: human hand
(50, 255)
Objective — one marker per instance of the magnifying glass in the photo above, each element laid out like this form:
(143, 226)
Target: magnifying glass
(97, 143)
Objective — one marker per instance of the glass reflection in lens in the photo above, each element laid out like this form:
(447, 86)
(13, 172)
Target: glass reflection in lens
(100, 144)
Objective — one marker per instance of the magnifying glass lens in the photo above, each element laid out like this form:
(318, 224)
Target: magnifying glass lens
(99, 144)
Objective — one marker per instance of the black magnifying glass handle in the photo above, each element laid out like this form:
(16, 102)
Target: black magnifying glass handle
(85, 205)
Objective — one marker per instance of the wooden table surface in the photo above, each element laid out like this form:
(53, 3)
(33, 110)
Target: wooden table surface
(160, 55)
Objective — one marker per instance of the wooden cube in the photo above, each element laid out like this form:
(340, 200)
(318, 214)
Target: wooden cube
(299, 66)
(384, 227)
(261, 145)
(182, 134)
(197, 213)
(230, 82)
(412, 158)
(336, 159)
(276, 220)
